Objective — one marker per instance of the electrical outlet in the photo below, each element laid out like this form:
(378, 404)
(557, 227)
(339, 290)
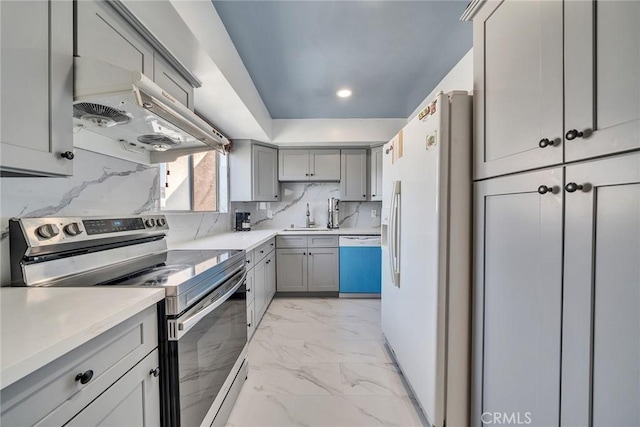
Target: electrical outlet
(374, 213)
(269, 214)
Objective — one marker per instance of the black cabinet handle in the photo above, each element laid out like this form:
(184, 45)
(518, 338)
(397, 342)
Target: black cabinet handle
(271, 244)
(546, 142)
(364, 195)
(573, 134)
(373, 195)
(155, 372)
(261, 252)
(306, 174)
(276, 196)
(67, 155)
(543, 189)
(248, 289)
(572, 187)
(248, 325)
(268, 261)
(304, 253)
(85, 377)
(312, 174)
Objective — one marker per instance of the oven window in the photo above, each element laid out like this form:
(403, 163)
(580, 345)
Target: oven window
(206, 355)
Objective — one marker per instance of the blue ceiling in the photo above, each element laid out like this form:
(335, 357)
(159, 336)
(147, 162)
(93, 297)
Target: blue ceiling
(390, 53)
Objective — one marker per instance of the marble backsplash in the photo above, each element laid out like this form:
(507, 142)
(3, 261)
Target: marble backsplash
(100, 185)
(292, 208)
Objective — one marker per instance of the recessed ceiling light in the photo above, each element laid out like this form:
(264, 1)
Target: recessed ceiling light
(344, 93)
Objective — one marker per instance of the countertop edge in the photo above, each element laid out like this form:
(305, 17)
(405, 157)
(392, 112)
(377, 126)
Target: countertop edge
(26, 366)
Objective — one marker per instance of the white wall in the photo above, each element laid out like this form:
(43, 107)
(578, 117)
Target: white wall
(459, 78)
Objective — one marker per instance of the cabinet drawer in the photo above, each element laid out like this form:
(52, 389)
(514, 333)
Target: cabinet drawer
(323, 241)
(263, 250)
(291, 242)
(53, 392)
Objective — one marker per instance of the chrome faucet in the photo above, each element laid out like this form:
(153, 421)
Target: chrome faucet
(309, 222)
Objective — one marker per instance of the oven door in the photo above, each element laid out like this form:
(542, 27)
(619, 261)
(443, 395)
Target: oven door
(205, 345)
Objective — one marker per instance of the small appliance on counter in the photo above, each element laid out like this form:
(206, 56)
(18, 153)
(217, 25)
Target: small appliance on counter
(243, 221)
(333, 220)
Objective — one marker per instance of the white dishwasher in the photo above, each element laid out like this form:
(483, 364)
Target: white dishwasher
(360, 266)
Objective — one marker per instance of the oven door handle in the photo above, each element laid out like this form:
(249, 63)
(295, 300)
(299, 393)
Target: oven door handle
(185, 325)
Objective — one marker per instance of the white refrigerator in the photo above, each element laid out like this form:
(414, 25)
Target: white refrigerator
(426, 265)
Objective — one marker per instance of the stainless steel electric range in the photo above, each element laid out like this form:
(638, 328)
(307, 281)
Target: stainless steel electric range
(202, 323)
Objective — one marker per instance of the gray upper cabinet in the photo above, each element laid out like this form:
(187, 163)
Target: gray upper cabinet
(353, 179)
(253, 172)
(518, 297)
(602, 77)
(171, 81)
(102, 33)
(36, 63)
(518, 92)
(309, 165)
(265, 173)
(323, 270)
(324, 165)
(601, 344)
(376, 174)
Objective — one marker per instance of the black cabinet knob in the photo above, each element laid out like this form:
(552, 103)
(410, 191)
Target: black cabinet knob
(543, 189)
(304, 253)
(364, 195)
(545, 142)
(276, 196)
(155, 372)
(248, 289)
(248, 325)
(248, 261)
(306, 174)
(572, 187)
(67, 155)
(573, 134)
(312, 174)
(373, 195)
(85, 377)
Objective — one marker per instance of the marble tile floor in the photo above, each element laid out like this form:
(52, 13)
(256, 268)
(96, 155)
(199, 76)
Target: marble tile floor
(322, 362)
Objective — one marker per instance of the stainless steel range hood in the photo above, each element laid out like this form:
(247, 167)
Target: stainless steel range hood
(128, 107)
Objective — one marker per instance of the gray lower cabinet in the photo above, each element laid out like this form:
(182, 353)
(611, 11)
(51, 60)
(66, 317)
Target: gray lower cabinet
(353, 175)
(120, 384)
(131, 401)
(292, 270)
(36, 63)
(600, 339)
(307, 263)
(518, 297)
(602, 77)
(322, 272)
(261, 283)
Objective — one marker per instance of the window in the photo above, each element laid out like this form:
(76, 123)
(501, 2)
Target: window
(192, 183)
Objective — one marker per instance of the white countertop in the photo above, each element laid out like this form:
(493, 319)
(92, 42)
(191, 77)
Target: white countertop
(248, 240)
(38, 325)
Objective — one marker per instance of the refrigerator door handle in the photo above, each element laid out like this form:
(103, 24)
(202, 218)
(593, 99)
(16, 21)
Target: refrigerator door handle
(394, 235)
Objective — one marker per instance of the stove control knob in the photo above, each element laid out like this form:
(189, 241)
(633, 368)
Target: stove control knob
(150, 222)
(161, 222)
(72, 229)
(47, 231)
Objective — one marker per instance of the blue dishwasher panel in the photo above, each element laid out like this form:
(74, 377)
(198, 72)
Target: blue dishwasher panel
(360, 269)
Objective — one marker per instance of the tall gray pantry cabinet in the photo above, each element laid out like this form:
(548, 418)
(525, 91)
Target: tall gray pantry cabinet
(557, 212)
(36, 63)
